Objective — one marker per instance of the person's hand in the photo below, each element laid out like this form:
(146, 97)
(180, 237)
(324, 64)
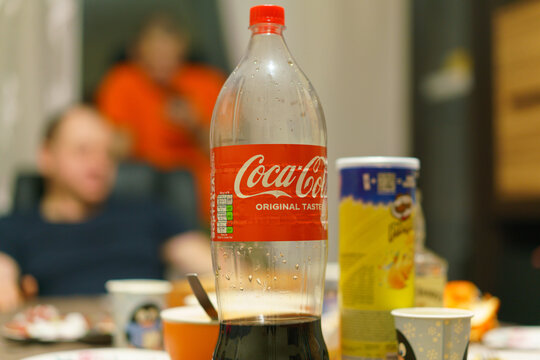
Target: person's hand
(10, 293)
(10, 296)
(189, 252)
(29, 286)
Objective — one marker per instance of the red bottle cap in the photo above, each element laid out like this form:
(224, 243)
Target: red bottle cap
(267, 14)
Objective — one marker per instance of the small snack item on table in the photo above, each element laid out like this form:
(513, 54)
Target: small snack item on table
(44, 323)
(465, 295)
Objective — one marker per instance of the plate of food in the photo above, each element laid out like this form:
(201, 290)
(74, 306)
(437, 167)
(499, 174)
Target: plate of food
(104, 354)
(514, 337)
(45, 323)
(480, 352)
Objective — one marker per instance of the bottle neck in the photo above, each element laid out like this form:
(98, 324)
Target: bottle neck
(267, 28)
(267, 42)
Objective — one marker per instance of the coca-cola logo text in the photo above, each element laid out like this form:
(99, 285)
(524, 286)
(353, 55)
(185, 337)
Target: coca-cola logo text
(255, 178)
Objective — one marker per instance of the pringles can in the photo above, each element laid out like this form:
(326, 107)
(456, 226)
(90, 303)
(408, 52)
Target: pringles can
(376, 251)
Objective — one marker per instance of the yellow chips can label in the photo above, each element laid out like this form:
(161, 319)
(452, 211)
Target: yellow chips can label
(376, 255)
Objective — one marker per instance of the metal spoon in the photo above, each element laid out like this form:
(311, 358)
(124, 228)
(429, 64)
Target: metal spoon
(201, 295)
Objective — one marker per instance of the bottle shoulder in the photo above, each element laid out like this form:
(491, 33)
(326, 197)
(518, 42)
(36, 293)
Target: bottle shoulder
(268, 100)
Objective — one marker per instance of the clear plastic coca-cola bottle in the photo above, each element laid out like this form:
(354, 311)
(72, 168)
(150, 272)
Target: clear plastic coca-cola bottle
(268, 202)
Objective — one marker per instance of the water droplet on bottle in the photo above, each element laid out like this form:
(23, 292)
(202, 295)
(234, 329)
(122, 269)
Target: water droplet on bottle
(280, 254)
(217, 273)
(233, 286)
(219, 267)
(250, 249)
(275, 278)
(267, 254)
(295, 277)
(257, 68)
(284, 261)
(241, 288)
(252, 76)
(255, 61)
(297, 266)
(227, 276)
(238, 252)
(268, 288)
(250, 278)
(290, 63)
(259, 281)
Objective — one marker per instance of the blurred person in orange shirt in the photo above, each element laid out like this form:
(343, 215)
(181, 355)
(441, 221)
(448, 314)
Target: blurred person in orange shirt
(77, 238)
(163, 105)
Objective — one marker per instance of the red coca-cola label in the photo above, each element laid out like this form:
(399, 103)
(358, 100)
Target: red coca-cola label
(269, 192)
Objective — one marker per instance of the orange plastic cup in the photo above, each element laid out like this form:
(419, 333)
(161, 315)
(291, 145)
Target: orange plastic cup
(189, 333)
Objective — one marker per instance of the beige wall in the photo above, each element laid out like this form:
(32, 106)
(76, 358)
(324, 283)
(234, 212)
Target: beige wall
(39, 72)
(355, 53)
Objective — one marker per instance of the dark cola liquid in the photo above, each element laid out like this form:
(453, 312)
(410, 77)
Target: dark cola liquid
(284, 337)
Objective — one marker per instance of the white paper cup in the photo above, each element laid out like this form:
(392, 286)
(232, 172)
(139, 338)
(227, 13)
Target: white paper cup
(136, 308)
(432, 333)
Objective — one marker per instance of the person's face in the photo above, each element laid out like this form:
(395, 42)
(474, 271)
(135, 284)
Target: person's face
(160, 53)
(79, 159)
